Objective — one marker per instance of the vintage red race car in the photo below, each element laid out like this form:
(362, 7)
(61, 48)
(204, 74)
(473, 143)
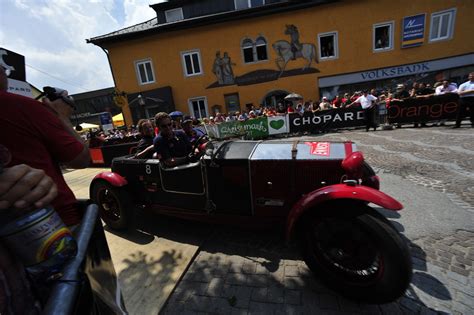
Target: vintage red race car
(319, 192)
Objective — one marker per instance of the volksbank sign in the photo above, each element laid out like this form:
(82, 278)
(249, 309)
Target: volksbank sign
(397, 71)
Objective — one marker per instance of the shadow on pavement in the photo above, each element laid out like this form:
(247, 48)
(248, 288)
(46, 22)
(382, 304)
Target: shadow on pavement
(242, 268)
(143, 272)
(422, 283)
(149, 225)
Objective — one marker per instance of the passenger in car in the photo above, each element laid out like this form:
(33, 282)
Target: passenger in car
(145, 148)
(173, 145)
(192, 133)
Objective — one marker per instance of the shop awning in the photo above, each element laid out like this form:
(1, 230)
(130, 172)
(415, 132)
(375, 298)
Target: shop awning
(87, 126)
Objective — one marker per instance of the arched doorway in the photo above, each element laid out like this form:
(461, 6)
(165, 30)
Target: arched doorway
(272, 98)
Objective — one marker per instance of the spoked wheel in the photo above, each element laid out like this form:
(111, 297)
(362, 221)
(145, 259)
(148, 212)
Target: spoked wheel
(114, 203)
(362, 257)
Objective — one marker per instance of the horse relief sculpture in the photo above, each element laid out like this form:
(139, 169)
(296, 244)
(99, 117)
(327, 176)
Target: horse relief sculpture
(286, 51)
(291, 51)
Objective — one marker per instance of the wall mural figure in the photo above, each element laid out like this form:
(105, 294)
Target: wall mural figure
(291, 51)
(217, 68)
(222, 68)
(227, 71)
(286, 51)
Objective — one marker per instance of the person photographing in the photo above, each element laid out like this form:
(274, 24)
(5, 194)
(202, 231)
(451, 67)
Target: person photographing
(40, 134)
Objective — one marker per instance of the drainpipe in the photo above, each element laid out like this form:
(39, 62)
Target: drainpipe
(127, 114)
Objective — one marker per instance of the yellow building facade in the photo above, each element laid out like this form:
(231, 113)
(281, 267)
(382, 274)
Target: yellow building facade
(351, 30)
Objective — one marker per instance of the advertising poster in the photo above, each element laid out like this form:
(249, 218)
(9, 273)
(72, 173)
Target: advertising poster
(106, 121)
(277, 125)
(326, 120)
(424, 109)
(413, 32)
(256, 128)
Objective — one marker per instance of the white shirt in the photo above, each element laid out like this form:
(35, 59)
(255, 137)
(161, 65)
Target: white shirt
(366, 101)
(466, 86)
(442, 90)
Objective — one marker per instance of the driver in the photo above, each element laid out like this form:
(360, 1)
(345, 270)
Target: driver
(172, 145)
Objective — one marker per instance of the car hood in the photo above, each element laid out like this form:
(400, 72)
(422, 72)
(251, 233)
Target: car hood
(307, 149)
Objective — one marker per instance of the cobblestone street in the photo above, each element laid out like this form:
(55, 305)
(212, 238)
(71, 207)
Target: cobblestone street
(245, 272)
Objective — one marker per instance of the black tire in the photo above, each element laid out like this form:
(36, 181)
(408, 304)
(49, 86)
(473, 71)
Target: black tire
(115, 205)
(360, 256)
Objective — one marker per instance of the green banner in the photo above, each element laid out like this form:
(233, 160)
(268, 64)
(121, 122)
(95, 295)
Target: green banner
(230, 129)
(256, 128)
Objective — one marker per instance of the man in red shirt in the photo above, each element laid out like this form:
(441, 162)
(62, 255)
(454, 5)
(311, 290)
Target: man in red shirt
(41, 136)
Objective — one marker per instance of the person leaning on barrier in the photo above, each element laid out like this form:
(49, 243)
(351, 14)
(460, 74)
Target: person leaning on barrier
(400, 94)
(145, 148)
(466, 101)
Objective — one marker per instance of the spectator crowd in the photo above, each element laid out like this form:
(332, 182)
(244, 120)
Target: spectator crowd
(374, 102)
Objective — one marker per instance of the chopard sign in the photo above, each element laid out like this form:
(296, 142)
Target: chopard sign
(328, 119)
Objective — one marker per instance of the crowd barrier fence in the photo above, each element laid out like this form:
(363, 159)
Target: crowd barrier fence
(411, 110)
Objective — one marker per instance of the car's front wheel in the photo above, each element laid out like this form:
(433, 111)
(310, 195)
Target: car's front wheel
(115, 206)
(360, 256)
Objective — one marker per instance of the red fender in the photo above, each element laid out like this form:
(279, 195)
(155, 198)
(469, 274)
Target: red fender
(339, 191)
(112, 178)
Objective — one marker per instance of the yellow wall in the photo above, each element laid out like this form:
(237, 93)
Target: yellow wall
(353, 20)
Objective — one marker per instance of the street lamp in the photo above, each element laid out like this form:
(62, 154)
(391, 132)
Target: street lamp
(141, 100)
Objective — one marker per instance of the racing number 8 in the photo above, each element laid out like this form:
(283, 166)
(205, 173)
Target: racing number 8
(148, 169)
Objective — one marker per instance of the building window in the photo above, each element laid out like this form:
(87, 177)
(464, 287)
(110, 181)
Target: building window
(383, 36)
(246, 4)
(191, 63)
(144, 70)
(247, 49)
(253, 52)
(174, 15)
(198, 107)
(328, 46)
(261, 49)
(442, 25)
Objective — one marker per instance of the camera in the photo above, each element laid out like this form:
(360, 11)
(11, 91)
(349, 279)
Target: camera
(53, 94)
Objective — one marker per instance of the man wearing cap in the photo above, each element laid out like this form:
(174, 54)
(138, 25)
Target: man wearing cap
(400, 94)
(367, 102)
(44, 138)
(192, 133)
(325, 105)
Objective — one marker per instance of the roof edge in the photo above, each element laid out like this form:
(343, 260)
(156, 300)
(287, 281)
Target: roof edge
(222, 17)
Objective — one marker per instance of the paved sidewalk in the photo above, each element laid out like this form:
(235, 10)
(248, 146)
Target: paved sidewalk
(149, 261)
(242, 272)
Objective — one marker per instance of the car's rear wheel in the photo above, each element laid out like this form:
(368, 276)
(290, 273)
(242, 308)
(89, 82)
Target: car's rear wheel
(115, 206)
(360, 256)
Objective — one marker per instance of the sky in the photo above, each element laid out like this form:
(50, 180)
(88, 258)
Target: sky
(51, 35)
